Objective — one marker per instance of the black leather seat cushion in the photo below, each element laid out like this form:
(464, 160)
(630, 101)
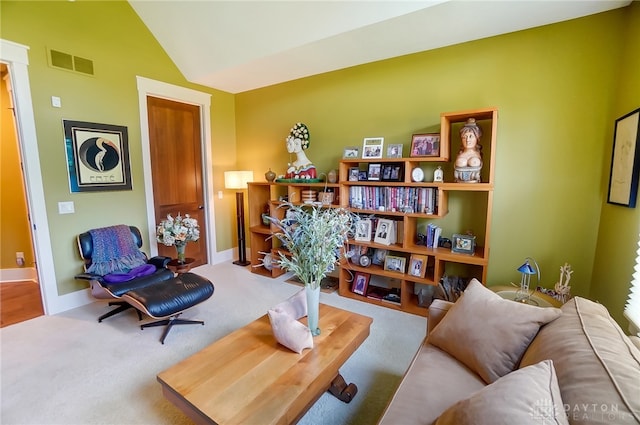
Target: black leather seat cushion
(174, 295)
(121, 288)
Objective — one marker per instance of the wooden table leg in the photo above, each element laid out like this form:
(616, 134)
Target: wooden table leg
(341, 390)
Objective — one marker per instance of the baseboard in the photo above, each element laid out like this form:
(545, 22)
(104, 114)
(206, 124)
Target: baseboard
(18, 274)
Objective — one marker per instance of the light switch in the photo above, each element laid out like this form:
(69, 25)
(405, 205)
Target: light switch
(56, 102)
(66, 207)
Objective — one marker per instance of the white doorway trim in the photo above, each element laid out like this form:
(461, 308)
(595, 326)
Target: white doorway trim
(148, 87)
(16, 57)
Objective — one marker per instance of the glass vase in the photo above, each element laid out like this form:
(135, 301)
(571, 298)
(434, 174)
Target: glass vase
(181, 248)
(313, 308)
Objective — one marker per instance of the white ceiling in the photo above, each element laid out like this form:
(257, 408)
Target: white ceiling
(237, 46)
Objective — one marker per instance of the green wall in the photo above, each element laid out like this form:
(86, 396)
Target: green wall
(619, 226)
(121, 47)
(554, 87)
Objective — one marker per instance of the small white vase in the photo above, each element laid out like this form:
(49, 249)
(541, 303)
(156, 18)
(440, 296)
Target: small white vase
(313, 309)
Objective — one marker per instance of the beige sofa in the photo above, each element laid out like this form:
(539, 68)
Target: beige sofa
(594, 366)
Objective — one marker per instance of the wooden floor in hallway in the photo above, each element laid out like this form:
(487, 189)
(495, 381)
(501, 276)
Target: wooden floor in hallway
(19, 301)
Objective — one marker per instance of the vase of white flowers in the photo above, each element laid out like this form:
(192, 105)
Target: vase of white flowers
(177, 232)
(314, 238)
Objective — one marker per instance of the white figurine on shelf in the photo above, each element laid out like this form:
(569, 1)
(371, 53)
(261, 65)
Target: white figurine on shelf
(437, 175)
(562, 287)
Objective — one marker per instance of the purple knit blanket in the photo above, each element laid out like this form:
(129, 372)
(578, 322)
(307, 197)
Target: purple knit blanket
(114, 250)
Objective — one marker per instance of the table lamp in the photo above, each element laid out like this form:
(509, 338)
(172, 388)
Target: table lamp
(527, 271)
(238, 180)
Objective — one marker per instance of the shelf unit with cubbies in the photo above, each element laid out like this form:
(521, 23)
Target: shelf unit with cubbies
(458, 206)
(453, 201)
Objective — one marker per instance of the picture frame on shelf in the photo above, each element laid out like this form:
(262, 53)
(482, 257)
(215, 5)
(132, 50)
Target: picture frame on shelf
(374, 171)
(363, 230)
(362, 175)
(392, 173)
(351, 152)
(378, 256)
(384, 232)
(372, 147)
(394, 150)
(625, 161)
(463, 244)
(425, 145)
(417, 265)
(394, 263)
(353, 174)
(360, 283)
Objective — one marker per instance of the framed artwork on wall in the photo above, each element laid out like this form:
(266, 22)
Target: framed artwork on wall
(625, 161)
(97, 156)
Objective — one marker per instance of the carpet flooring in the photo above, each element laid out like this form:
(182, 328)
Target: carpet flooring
(69, 369)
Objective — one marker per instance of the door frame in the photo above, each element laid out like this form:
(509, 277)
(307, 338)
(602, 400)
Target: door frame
(17, 59)
(148, 87)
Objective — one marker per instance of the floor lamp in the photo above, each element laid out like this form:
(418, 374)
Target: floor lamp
(238, 180)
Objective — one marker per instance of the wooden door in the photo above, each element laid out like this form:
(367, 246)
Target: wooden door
(176, 166)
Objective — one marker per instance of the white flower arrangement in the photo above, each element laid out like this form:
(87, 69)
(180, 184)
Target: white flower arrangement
(178, 230)
(300, 131)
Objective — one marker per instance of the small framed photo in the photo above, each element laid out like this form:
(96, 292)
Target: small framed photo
(374, 172)
(362, 175)
(391, 173)
(384, 231)
(425, 145)
(372, 147)
(351, 152)
(463, 244)
(417, 265)
(363, 230)
(378, 256)
(360, 283)
(394, 263)
(353, 174)
(394, 151)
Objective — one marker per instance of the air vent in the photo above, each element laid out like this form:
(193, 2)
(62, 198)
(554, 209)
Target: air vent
(71, 63)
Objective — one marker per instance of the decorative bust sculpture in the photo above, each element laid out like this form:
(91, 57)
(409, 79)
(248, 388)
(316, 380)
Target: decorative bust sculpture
(297, 142)
(469, 160)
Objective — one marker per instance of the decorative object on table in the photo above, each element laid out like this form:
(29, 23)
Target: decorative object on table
(270, 176)
(97, 156)
(326, 197)
(469, 160)
(372, 147)
(374, 171)
(625, 166)
(284, 323)
(314, 238)
(302, 168)
(425, 145)
(463, 244)
(417, 175)
(438, 175)
(351, 152)
(360, 283)
(332, 176)
(238, 180)
(527, 270)
(394, 151)
(309, 196)
(562, 287)
(178, 232)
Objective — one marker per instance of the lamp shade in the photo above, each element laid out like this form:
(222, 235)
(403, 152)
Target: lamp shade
(237, 179)
(526, 268)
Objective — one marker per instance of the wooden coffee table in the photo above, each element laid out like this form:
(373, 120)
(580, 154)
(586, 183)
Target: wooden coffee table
(248, 378)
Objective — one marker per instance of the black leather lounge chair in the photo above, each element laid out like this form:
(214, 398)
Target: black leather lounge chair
(154, 291)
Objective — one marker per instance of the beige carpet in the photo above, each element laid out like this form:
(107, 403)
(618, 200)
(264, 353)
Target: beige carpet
(69, 369)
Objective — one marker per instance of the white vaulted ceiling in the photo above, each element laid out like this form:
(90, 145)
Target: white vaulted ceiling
(237, 46)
